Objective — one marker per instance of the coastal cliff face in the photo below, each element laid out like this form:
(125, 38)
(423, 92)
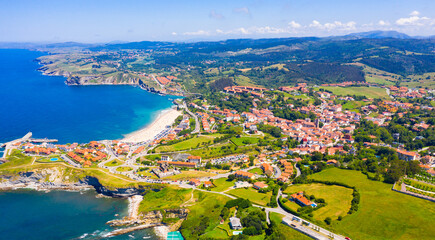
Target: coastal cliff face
(113, 192)
(121, 79)
(53, 179)
(85, 76)
(47, 179)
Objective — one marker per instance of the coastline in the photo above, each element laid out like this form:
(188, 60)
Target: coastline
(148, 133)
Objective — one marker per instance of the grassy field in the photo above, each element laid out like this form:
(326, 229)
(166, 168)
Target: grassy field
(379, 80)
(383, 213)
(188, 144)
(252, 194)
(186, 175)
(244, 81)
(218, 151)
(256, 171)
(114, 163)
(167, 198)
(369, 92)
(351, 105)
(422, 81)
(205, 205)
(48, 159)
(279, 66)
(241, 141)
(124, 169)
(289, 232)
(222, 184)
(338, 199)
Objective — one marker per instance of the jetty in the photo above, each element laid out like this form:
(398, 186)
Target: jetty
(42, 140)
(131, 229)
(23, 139)
(9, 144)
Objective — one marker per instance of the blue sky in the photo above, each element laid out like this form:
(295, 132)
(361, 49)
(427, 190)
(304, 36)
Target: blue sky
(170, 20)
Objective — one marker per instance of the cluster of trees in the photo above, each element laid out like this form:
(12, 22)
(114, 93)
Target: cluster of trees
(240, 203)
(272, 130)
(400, 127)
(240, 102)
(313, 72)
(209, 165)
(254, 222)
(290, 114)
(199, 229)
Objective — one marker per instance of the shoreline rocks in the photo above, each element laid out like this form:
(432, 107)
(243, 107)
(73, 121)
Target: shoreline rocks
(45, 181)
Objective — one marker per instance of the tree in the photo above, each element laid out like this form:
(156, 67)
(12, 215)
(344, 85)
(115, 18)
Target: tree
(328, 220)
(317, 156)
(208, 165)
(251, 161)
(395, 171)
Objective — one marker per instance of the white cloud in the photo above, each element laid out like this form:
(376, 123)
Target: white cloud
(174, 34)
(415, 20)
(414, 13)
(244, 10)
(412, 21)
(336, 25)
(241, 30)
(315, 24)
(213, 14)
(197, 33)
(294, 24)
(383, 23)
(268, 30)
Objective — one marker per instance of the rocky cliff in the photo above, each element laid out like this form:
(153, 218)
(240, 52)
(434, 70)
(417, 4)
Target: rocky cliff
(53, 179)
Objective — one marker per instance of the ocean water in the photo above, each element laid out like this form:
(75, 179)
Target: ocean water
(32, 215)
(44, 105)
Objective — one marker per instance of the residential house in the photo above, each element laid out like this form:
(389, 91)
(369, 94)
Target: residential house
(300, 199)
(243, 174)
(260, 185)
(235, 223)
(194, 182)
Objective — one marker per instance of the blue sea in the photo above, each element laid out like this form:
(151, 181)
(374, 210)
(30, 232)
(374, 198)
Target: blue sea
(32, 215)
(44, 105)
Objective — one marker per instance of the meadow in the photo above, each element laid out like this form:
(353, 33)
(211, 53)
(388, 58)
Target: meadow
(382, 213)
(188, 144)
(253, 195)
(338, 199)
(222, 184)
(369, 92)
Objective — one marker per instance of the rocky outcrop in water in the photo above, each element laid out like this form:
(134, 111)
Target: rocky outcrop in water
(52, 179)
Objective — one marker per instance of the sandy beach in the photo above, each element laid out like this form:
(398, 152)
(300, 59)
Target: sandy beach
(166, 117)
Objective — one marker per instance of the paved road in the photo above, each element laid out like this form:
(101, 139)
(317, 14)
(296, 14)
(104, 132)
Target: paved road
(68, 160)
(161, 86)
(298, 171)
(277, 171)
(197, 126)
(388, 93)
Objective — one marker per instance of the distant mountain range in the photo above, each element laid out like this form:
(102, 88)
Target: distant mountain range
(151, 44)
(379, 34)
